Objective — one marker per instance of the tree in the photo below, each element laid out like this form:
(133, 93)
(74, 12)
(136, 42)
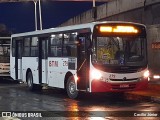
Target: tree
(4, 32)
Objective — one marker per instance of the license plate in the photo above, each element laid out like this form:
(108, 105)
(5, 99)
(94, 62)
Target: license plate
(124, 85)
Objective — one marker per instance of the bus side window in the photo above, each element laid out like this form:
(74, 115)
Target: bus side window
(52, 51)
(56, 45)
(68, 48)
(70, 45)
(34, 46)
(26, 47)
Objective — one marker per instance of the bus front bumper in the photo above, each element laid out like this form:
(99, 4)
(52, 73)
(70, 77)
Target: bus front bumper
(102, 86)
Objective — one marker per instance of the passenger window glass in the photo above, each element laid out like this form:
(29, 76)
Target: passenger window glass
(34, 47)
(70, 45)
(26, 47)
(56, 45)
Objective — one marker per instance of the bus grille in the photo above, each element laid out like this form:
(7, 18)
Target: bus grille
(124, 79)
(124, 70)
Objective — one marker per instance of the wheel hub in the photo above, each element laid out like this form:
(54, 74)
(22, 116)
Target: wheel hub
(72, 87)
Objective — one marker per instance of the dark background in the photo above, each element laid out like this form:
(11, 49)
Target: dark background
(19, 16)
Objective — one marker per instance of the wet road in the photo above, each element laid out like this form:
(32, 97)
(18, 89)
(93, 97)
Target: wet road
(17, 97)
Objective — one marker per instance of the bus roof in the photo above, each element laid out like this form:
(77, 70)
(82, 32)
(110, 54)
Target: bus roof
(68, 28)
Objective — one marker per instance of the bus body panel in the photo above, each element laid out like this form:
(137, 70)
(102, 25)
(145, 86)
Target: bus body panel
(20, 69)
(55, 73)
(57, 70)
(32, 64)
(52, 73)
(44, 71)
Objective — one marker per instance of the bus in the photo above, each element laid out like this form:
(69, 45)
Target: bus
(5, 56)
(92, 57)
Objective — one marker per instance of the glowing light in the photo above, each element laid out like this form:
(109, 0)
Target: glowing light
(53, 35)
(105, 29)
(156, 77)
(76, 78)
(128, 29)
(97, 118)
(146, 74)
(118, 29)
(96, 74)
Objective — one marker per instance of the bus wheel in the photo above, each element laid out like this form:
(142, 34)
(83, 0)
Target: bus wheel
(30, 81)
(71, 88)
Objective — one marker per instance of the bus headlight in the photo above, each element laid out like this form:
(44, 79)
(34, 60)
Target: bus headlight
(146, 74)
(96, 74)
(156, 76)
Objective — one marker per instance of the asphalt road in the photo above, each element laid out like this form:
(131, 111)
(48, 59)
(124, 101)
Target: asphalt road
(54, 104)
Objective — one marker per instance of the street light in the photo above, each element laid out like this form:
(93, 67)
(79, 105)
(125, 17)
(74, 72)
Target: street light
(35, 13)
(94, 10)
(94, 5)
(40, 15)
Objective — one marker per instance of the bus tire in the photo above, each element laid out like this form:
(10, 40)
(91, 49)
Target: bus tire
(71, 88)
(30, 84)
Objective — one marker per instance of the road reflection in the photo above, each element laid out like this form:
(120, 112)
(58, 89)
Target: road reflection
(55, 104)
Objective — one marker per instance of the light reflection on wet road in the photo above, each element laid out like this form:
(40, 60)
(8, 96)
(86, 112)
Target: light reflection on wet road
(16, 97)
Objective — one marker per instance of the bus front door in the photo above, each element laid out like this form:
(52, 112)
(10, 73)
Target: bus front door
(18, 60)
(83, 60)
(43, 60)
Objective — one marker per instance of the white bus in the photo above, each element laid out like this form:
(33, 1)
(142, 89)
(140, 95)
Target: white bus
(4, 56)
(93, 57)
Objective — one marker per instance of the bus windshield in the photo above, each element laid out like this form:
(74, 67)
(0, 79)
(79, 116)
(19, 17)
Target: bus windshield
(119, 51)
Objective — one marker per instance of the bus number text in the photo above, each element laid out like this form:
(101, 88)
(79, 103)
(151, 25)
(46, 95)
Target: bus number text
(65, 63)
(112, 76)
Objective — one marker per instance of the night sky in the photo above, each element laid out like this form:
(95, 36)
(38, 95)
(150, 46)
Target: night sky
(19, 17)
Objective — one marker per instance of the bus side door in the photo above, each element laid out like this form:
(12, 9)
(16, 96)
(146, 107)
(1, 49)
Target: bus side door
(18, 59)
(43, 59)
(83, 60)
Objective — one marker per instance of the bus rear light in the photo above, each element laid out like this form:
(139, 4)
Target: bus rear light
(146, 74)
(96, 74)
